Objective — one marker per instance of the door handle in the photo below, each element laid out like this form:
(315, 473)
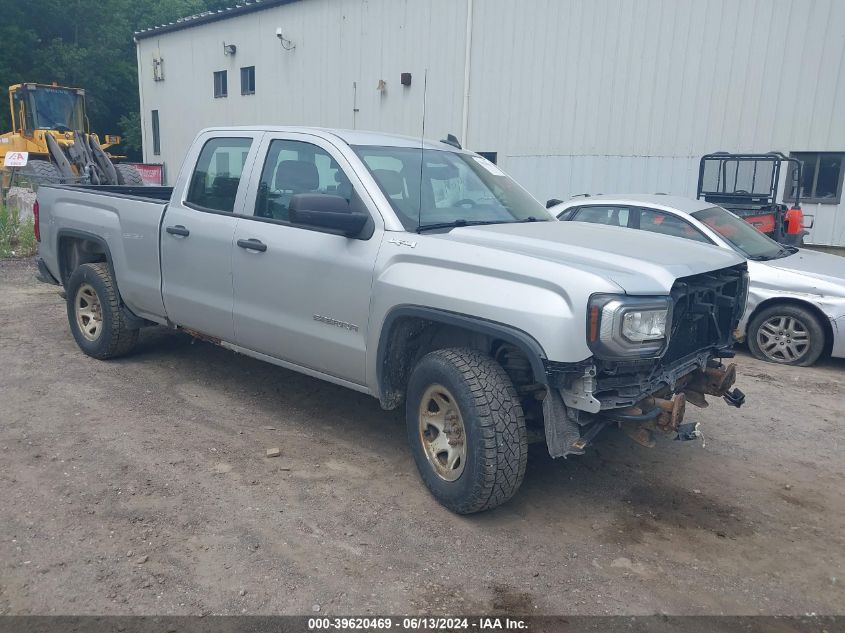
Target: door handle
(253, 244)
(179, 230)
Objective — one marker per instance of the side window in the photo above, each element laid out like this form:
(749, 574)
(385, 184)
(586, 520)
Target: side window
(821, 177)
(221, 88)
(156, 134)
(610, 215)
(248, 80)
(214, 183)
(668, 224)
(293, 167)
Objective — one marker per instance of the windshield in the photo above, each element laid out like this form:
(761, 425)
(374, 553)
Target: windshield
(742, 236)
(56, 109)
(455, 188)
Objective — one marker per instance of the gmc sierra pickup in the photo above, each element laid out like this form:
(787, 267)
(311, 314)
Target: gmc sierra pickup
(413, 271)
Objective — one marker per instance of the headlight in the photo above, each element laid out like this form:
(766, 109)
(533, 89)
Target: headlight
(644, 325)
(620, 327)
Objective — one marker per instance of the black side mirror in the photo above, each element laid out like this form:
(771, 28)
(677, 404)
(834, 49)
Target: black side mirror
(552, 202)
(326, 211)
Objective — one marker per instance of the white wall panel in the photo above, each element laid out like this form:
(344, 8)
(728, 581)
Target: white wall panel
(574, 95)
(338, 43)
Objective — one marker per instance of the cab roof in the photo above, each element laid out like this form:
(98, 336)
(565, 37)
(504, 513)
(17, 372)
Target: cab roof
(350, 137)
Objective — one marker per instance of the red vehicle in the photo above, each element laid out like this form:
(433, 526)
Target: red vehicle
(748, 185)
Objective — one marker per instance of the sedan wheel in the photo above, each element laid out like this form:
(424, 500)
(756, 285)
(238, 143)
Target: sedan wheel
(783, 339)
(789, 334)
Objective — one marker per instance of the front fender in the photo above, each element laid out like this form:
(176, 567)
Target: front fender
(544, 303)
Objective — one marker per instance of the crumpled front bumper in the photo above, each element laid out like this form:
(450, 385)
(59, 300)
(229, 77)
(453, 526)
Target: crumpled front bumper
(569, 429)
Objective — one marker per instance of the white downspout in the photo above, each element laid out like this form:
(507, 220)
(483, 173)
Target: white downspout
(467, 60)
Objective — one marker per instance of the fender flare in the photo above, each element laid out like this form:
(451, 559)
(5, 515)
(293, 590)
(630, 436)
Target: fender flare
(64, 275)
(518, 338)
(132, 318)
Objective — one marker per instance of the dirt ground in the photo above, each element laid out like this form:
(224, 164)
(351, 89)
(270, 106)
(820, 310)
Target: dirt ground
(141, 486)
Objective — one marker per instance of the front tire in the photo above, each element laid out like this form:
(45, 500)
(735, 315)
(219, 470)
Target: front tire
(95, 315)
(466, 429)
(786, 334)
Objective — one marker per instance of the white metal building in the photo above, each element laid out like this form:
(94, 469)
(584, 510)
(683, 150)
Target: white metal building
(572, 96)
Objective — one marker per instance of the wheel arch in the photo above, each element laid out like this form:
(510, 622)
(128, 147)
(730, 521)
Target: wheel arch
(74, 247)
(409, 332)
(821, 317)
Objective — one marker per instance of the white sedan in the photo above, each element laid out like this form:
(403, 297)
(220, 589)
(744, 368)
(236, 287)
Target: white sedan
(796, 300)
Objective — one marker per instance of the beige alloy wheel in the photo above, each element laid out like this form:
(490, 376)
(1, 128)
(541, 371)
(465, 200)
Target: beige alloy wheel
(89, 312)
(442, 432)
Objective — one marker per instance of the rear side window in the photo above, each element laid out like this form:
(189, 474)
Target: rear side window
(610, 215)
(655, 221)
(214, 183)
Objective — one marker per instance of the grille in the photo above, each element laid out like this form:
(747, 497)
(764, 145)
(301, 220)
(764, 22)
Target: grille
(706, 310)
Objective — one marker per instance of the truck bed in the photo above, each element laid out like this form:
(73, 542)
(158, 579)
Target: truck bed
(124, 191)
(122, 221)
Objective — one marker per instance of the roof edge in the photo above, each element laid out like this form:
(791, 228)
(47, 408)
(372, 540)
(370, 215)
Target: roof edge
(250, 6)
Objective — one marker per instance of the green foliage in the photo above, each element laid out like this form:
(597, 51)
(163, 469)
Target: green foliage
(87, 44)
(130, 130)
(16, 239)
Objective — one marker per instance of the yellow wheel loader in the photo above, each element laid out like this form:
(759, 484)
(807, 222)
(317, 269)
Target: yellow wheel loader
(50, 123)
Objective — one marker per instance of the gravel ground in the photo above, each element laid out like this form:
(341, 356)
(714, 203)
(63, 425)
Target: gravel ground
(141, 486)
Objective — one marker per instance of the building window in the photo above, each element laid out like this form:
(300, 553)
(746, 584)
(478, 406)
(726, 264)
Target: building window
(821, 177)
(248, 80)
(221, 89)
(156, 134)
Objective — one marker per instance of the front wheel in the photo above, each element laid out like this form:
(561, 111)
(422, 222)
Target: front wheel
(786, 334)
(95, 315)
(466, 429)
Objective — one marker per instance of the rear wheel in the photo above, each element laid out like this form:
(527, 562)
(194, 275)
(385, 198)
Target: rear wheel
(466, 429)
(95, 315)
(129, 175)
(786, 334)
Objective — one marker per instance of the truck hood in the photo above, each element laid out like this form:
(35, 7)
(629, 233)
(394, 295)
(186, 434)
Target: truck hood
(636, 261)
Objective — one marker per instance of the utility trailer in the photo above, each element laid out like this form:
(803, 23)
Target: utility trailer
(748, 185)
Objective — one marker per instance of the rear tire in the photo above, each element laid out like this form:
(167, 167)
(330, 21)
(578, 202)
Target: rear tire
(41, 172)
(95, 315)
(129, 175)
(786, 334)
(477, 461)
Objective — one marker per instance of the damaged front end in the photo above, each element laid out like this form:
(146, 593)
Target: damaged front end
(652, 356)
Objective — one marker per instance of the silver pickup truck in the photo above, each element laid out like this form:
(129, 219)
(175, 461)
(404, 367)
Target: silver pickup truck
(418, 273)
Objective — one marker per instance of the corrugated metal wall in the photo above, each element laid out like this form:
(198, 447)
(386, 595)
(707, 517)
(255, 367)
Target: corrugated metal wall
(610, 96)
(574, 95)
(339, 44)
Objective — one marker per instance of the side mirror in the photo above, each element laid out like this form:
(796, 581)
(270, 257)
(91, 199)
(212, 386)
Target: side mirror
(552, 202)
(326, 211)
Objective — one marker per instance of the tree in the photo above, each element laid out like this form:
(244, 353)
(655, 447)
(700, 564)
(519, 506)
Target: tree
(87, 44)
